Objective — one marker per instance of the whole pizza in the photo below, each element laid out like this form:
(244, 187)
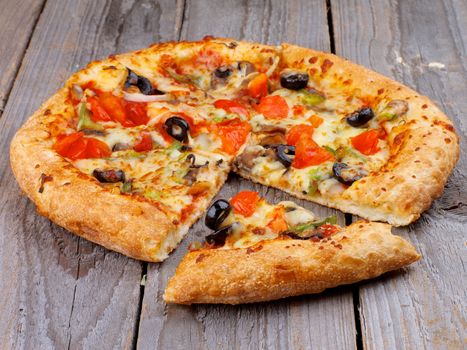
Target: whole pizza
(133, 149)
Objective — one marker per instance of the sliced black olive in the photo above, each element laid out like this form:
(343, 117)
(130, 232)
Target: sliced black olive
(285, 154)
(223, 72)
(143, 84)
(192, 159)
(217, 213)
(360, 117)
(109, 176)
(294, 80)
(348, 174)
(218, 238)
(177, 128)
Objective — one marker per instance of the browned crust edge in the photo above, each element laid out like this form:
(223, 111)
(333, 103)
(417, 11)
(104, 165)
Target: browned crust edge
(285, 267)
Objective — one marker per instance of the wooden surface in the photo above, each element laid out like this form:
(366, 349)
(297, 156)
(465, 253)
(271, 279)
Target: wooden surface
(60, 291)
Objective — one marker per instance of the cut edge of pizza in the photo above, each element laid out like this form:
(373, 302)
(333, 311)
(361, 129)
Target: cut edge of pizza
(278, 251)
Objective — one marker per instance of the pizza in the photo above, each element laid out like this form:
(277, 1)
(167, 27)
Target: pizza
(258, 252)
(132, 149)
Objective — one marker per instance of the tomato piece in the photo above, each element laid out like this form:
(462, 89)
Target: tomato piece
(273, 107)
(328, 229)
(96, 148)
(298, 109)
(77, 149)
(231, 107)
(308, 153)
(245, 202)
(278, 223)
(258, 86)
(315, 121)
(97, 112)
(64, 142)
(366, 142)
(298, 131)
(114, 107)
(144, 144)
(136, 113)
(233, 133)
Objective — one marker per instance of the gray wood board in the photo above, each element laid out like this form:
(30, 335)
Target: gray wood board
(423, 44)
(58, 290)
(17, 19)
(325, 321)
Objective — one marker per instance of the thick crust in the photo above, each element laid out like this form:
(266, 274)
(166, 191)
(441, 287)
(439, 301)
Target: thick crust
(78, 203)
(424, 149)
(285, 267)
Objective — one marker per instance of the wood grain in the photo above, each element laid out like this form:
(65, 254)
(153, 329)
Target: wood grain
(423, 44)
(18, 19)
(322, 322)
(59, 291)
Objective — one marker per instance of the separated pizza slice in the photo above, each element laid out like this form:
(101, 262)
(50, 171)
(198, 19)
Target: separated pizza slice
(258, 252)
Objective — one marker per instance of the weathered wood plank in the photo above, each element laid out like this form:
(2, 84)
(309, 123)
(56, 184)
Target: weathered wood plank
(322, 322)
(56, 290)
(17, 19)
(423, 44)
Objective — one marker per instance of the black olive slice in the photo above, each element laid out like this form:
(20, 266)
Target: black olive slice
(348, 174)
(217, 213)
(223, 72)
(294, 80)
(285, 154)
(218, 238)
(109, 176)
(360, 117)
(177, 128)
(142, 83)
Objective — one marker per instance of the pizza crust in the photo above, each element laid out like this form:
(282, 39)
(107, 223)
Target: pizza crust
(78, 203)
(286, 267)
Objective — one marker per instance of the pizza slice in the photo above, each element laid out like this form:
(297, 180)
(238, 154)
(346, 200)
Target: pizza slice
(259, 252)
(337, 134)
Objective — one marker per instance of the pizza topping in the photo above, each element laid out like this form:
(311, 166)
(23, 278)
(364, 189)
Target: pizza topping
(294, 80)
(273, 107)
(312, 230)
(192, 159)
(76, 146)
(245, 202)
(308, 153)
(217, 239)
(109, 176)
(285, 154)
(360, 117)
(137, 97)
(220, 76)
(348, 174)
(233, 134)
(394, 109)
(366, 142)
(258, 86)
(144, 144)
(231, 107)
(85, 121)
(297, 131)
(178, 128)
(311, 98)
(217, 213)
(142, 83)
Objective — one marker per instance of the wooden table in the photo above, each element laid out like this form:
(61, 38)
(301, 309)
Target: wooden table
(60, 291)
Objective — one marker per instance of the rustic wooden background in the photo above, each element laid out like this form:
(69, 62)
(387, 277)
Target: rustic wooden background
(60, 291)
